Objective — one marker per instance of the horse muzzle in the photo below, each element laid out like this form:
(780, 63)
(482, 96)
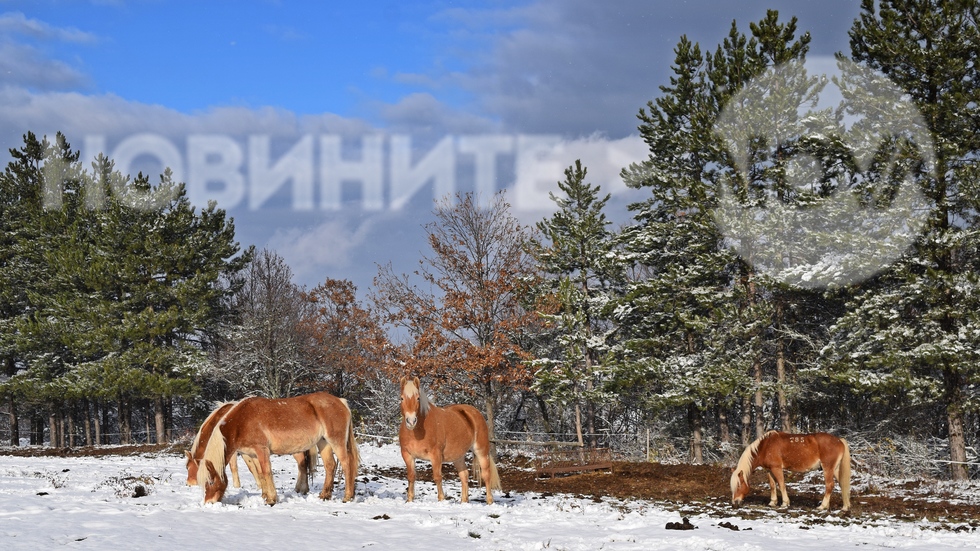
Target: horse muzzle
(410, 422)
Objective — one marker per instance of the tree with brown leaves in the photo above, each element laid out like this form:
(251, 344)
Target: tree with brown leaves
(464, 322)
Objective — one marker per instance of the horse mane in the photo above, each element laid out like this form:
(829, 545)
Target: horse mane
(197, 437)
(744, 465)
(214, 452)
(424, 402)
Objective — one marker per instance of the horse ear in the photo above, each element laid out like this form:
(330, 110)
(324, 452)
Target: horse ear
(403, 381)
(211, 470)
(416, 381)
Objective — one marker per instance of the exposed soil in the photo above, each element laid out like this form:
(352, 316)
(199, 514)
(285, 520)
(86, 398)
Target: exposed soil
(688, 489)
(705, 489)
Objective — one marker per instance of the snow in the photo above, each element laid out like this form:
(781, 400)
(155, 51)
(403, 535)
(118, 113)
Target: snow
(89, 503)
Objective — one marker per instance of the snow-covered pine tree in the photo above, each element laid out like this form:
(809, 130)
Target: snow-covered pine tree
(912, 336)
(581, 271)
(698, 327)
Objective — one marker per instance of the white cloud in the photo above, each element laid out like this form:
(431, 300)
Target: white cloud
(322, 248)
(18, 23)
(24, 65)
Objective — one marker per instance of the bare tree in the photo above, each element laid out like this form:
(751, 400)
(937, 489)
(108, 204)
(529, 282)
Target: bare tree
(262, 351)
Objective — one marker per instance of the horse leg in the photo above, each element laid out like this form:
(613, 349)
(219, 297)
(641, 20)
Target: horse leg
(437, 474)
(773, 498)
(828, 478)
(303, 477)
(777, 474)
(268, 485)
(252, 468)
(346, 460)
(410, 471)
(464, 478)
(329, 466)
(233, 465)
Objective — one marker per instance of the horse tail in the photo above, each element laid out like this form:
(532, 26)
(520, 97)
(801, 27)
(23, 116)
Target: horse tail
(494, 475)
(352, 451)
(215, 453)
(844, 476)
(311, 461)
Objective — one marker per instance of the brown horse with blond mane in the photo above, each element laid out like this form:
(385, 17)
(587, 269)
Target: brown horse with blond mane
(776, 451)
(306, 461)
(259, 427)
(444, 435)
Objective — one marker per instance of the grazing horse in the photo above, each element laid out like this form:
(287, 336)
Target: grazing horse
(441, 435)
(776, 451)
(260, 427)
(306, 461)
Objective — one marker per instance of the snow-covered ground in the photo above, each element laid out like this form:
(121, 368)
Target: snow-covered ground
(89, 503)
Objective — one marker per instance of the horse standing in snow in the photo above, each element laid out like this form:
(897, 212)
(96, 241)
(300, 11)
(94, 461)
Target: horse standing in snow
(776, 451)
(441, 435)
(260, 427)
(305, 461)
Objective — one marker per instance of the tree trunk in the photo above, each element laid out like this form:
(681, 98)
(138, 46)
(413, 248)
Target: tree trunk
(159, 416)
(760, 422)
(147, 430)
(954, 414)
(578, 424)
(723, 431)
(87, 420)
(697, 434)
(106, 424)
(53, 429)
(543, 406)
(746, 421)
(14, 424)
(70, 427)
(97, 423)
(125, 429)
(488, 402)
(786, 420)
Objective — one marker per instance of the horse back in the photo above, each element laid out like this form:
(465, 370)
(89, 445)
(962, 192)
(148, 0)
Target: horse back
(799, 452)
(286, 425)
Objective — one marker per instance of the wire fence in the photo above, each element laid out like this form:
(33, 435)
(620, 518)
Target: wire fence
(892, 457)
(897, 457)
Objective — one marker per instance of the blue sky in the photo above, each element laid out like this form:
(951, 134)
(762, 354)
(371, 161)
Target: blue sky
(577, 71)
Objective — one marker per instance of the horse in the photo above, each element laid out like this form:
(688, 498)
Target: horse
(258, 427)
(776, 451)
(441, 435)
(306, 461)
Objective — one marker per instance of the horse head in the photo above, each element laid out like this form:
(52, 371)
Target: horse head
(192, 466)
(214, 488)
(411, 401)
(740, 487)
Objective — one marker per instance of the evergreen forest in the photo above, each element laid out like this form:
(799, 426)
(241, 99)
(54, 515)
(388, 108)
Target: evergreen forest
(126, 312)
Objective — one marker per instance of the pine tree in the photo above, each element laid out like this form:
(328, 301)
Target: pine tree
(577, 256)
(912, 336)
(123, 283)
(697, 327)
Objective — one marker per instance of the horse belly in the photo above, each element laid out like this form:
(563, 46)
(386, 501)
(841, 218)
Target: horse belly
(801, 458)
